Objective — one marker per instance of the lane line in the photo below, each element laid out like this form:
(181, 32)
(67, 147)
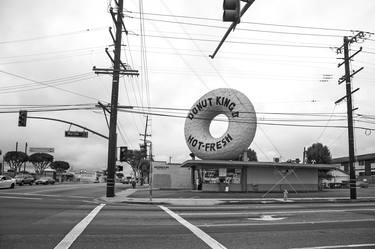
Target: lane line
(68, 240)
(68, 196)
(285, 223)
(338, 246)
(198, 232)
(16, 197)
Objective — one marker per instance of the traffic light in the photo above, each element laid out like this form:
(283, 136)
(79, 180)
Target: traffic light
(123, 153)
(22, 118)
(232, 11)
(143, 150)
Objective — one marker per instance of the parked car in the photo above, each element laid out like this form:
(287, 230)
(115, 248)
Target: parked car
(362, 183)
(45, 180)
(126, 180)
(24, 179)
(7, 182)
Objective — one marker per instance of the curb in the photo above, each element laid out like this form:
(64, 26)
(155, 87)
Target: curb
(216, 202)
(124, 197)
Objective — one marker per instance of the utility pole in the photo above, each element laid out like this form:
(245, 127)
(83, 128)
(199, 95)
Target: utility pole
(24, 164)
(145, 135)
(347, 79)
(304, 155)
(118, 68)
(150, 177)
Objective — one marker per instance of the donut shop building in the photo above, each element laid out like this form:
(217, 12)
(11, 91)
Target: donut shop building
(246, 176)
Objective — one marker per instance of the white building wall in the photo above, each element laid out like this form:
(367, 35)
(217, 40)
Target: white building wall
(172, 176)
(267, 178)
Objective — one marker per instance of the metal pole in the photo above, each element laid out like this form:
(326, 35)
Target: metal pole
(2, 166)
(150, 182)
(24, 164)
(353, 190)
(114, 99)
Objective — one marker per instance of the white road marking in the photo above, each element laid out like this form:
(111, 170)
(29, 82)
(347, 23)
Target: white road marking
(16, 197)
(284, 223)
(198, 232)
(78, 229)
(34, 194)
(338, 246)
(267, 218)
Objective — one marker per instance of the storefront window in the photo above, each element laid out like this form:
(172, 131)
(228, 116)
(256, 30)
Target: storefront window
(212, 176)
(233, 176)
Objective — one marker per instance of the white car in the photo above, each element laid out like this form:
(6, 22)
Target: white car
(7, 182)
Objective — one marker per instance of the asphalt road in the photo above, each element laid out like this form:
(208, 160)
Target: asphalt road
(70, 216)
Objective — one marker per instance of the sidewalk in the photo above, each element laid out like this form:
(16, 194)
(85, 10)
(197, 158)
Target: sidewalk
(141, 195)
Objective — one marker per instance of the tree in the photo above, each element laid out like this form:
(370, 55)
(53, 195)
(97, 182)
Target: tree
(135, 162)
(15, 159)
(251, 155)
(40, 161)
(144, 169)
(60, 166)
(317, 153)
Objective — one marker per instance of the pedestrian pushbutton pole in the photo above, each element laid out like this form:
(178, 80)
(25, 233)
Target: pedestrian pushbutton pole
(285, 194)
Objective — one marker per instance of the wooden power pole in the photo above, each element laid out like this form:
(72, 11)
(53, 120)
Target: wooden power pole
(347, 79)
(118, 68)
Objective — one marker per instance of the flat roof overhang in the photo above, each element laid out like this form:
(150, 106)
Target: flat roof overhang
(226, 163)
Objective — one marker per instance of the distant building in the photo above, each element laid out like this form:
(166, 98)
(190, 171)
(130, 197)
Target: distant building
(337, 179)
(364, 164)
(50, 173)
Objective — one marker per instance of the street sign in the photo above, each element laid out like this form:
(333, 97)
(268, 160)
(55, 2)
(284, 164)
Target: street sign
(41, 150)
(76, 134)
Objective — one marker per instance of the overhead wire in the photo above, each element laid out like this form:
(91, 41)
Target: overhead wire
(67, 79)
(53, 35)
(50, 85)
(240, 42)
(241, 29)
(252, 122)
(246, 22)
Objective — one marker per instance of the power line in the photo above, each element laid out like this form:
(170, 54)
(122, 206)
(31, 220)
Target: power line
(242, 29)
(50, 85)
(32, 87)
(67, 79)
(239, 42)
(51, 52)
(250, 122)
(53, 35)
(256, 23)
(59, 57)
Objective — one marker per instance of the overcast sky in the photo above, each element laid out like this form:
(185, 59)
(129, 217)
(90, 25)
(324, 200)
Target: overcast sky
(48, 49)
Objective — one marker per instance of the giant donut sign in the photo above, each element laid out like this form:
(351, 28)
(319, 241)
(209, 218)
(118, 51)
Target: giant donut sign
(241, 124)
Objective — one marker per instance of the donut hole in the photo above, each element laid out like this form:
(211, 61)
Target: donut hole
(219, 125)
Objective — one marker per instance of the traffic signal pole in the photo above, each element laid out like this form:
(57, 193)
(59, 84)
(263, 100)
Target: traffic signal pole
(234, 23)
